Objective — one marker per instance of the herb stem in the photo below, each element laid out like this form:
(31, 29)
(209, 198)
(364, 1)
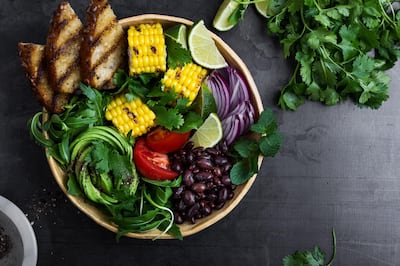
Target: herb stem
(334, 248)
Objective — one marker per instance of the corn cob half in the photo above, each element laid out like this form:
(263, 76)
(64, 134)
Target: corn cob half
(127, 116)
(147, 50)
(185, 80)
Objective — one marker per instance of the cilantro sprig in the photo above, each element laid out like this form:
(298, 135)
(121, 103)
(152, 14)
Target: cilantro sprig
(341, 48)
(248, 150)
(315, 257)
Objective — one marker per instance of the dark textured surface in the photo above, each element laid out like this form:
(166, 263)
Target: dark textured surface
(339, 166)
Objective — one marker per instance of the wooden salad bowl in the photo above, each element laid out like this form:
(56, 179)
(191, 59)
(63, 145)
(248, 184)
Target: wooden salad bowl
(187, 228)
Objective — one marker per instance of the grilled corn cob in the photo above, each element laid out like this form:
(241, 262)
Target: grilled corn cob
(147, 51)
(185, 80)
(128, 116)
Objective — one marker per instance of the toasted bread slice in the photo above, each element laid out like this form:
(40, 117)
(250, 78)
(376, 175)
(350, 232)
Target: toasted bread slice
(103, 46)
(62, 49)
(32, 60)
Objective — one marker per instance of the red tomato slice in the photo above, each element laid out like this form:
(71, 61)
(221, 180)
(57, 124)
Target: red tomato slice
(165, 141)
(151, 164)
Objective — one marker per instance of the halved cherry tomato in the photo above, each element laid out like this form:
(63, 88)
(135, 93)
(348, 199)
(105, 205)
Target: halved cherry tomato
(152, 164)
(165, 141)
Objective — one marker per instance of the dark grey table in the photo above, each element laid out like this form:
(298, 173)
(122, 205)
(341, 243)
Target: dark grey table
(338, 167)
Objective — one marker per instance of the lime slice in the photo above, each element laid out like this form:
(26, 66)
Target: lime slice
(204, 104)
(221, 20)
(209, 133)
(203, 49)
(178, 33)
(262, 7)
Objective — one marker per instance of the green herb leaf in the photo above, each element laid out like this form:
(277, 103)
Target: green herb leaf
(315, 257)
(270, 144)
(176, 54)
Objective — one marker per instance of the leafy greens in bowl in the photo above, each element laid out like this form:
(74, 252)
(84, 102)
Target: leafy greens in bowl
(132, 203)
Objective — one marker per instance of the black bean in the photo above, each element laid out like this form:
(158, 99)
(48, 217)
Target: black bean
(217, 181)
(188, 146)
(223, 195)
(203, 175)
(205, 164)
(212, 151)
(176, 167)
(231, 195)
(189, 198)
(219, 205)
(221, 160)
(193, 210)
(226, 180)
(206, 210)
(212, 197)
(226, 167)
(198, 187)
(189, 157)
(188, 177)
(181, 205)
(178, 218)
(217, 171)
(178, 192)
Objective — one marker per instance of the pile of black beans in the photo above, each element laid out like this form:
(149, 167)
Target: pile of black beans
(206, 185)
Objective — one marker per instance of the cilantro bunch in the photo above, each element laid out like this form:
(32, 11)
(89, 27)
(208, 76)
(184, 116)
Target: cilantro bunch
(341, 49)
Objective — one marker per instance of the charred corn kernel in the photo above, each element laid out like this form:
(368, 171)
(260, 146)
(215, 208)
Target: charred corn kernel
(132, 116)
(147, 51)
(185, 80)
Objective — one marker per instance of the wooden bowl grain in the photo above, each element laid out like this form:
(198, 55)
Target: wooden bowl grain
(187, 229)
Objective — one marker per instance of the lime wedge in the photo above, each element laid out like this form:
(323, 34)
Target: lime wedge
(204, 104)
(209, 133)
(203, 48)
(221, 20)
(262, 7)
(178, 33)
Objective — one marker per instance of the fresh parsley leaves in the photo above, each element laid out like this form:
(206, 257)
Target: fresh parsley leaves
(341, 48)
(249, 149)
(315, 257)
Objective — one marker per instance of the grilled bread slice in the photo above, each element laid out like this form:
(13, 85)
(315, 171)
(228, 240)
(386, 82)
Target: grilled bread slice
(32, 60)
(103, 46)
(62, 49)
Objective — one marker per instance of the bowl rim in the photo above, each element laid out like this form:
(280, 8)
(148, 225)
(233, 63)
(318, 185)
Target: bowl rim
(98, 217)
(24, 227)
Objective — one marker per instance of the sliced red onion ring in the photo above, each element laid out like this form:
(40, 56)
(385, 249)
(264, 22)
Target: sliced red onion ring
(232, 98)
